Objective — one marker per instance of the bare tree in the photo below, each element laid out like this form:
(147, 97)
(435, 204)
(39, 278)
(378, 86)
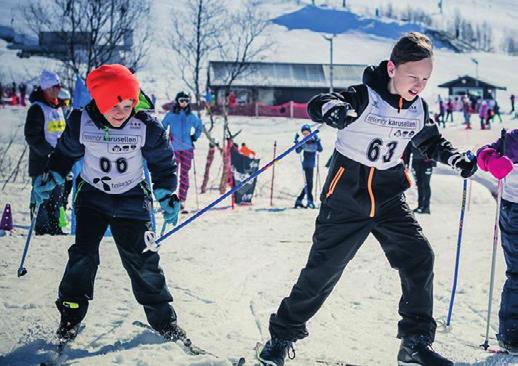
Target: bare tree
(93, 32)
(197, 29)
(243, 41)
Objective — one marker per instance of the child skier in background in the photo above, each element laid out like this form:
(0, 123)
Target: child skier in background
(363, 194)
(184, 130)
(499, 162)
(310, 150)
(113, 141)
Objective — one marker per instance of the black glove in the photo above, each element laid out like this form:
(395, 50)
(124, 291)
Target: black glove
(465, 163)
(338, 114)
(296, 138)
(193, 138)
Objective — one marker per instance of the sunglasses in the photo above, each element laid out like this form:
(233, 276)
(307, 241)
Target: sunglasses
(183, 100)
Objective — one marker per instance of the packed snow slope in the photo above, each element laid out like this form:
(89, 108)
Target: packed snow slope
(230, 269)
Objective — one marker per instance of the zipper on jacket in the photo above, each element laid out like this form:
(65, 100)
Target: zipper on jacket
(334, 182)
(371, 193)
(106, 133)
(400, 106)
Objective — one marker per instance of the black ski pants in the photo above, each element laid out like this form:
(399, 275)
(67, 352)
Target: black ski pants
(338, 235)
(308, 188)
(147, 279)
(423, 174)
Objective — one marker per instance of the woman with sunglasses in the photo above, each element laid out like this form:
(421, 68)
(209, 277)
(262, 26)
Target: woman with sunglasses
(184, 130)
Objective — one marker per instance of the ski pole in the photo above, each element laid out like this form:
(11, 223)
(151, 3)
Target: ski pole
(22, 271)
(485, 345)
(273, 172)
(457, 257)
(195, 180)
(154, 245)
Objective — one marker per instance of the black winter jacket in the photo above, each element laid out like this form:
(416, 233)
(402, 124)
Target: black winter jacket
(39, 148)
(351, 184)
(157, 151)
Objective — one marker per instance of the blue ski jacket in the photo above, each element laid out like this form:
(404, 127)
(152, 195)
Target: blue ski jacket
(181, 124)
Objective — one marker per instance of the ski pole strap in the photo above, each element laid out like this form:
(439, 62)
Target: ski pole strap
(154, 245)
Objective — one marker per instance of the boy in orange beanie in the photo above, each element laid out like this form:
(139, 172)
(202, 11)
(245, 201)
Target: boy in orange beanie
(114, 140)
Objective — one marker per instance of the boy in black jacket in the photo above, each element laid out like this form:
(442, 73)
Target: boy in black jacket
(113, 141)
(44, 125)
(363, 194)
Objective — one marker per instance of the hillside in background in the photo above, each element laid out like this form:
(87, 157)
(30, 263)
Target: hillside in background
(296, 36)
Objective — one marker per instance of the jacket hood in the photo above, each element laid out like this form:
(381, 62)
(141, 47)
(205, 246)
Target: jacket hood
(99, 120)
(377, 78)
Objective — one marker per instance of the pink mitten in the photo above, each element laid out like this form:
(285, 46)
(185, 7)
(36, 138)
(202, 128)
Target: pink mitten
(499, 166)
(483, 157)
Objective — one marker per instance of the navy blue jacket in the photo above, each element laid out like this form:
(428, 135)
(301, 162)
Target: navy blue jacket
(156, 151)
(310, 148)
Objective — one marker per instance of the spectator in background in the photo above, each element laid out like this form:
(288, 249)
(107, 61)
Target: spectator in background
(466, 110)
(422, 169)
(482, 113)
(44, 124)
(496, 111)
(232, 100)
(209, 99)
(310, 150)
(512, 102)
(22, 88)
(14, 98)
(1, 96)
(184, 129)
(441, 111)
(449, 110)
(246, 151)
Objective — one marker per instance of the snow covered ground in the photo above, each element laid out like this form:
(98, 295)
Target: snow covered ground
(229, 270)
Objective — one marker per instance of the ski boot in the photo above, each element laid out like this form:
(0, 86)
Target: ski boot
(310, 204)
(172, 332)
(422, 210)
(509, 347)
(275, 351)
(417, 350)
(67, 332)
(72, 313)
(299, 204)
(183, 210)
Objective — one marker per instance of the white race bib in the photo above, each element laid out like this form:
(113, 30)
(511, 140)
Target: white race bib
(113, 161)
(380, 134)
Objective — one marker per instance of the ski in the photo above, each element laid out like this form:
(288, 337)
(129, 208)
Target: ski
(259, 347)
(60, 345)
(184, 342)
(189, 348)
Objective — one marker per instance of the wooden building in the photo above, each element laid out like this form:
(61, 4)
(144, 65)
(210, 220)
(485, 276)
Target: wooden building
(468, 85)
(275, 83)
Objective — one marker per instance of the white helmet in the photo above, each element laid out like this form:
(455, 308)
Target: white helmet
(63, 94)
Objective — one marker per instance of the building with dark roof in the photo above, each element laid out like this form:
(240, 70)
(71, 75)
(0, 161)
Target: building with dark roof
(275, 83)
(468, 85)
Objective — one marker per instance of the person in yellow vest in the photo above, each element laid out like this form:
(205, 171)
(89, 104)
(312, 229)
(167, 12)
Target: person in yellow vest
(44, 124)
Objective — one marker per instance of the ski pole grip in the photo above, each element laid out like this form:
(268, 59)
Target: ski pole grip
(470, 155)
